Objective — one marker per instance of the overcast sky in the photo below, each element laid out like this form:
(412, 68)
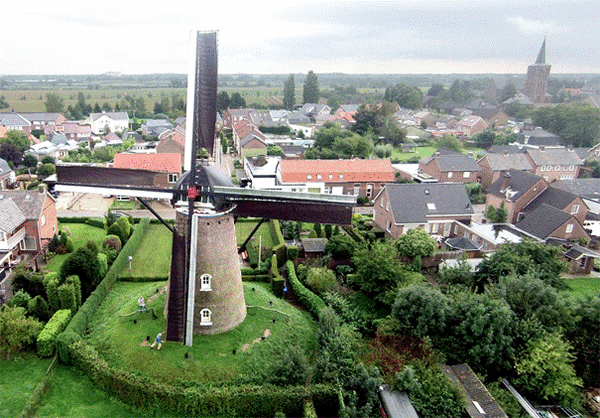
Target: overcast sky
(294, 36)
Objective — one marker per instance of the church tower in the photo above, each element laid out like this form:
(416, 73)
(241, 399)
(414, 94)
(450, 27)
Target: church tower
(536, 82)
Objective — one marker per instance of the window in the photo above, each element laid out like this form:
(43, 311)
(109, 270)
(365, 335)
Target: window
(356, 189)
(172, 178)
(309, 177)
(556, 168)
(569, 228)
(431, 206)
(571, 167)
(319, 177)
(549, 168)
(205, 317)
(341, 177)
(574, 209)
(387, 206)
(434, 228)
(450, 174)
(388, 227)
(543, 168)
(466, 175)
(205, 280)
(331, 177)
(43, 220)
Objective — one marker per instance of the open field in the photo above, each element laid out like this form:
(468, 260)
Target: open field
(421, 152)
(18, 379)
(119, 332)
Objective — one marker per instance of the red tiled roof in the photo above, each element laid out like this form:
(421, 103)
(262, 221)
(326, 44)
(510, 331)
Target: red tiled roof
(356, 170)
(167, 162)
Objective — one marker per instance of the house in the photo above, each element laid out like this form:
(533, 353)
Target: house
(445, 122)
(494, 165)
(42, 120)
(76, 131)
(347, 108)
(431, 206)
(102, 123)
(7, 175)
(560, 199)
(155, 127)
(32, 217)
(168, 165)
(448, 166)
(173, 142)
(314, 110)
(471, 125)
(15, 122)
(362, 178)
(293, 152)
(261, 171)
(538, 138)
(514, 190)
(249, 140)
(490, 236)
(424, 117)
(232, 116)
(494, 117)
(555, 163)
(547, 221)
(580, 259)
(589, 191)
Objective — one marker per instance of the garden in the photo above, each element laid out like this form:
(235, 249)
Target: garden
(365, 313)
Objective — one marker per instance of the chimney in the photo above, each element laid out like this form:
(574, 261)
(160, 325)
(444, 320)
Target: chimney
(506, 181)
(570, 147)
(542, 148)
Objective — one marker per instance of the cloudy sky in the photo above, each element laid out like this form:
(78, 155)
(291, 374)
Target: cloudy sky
(294, 36)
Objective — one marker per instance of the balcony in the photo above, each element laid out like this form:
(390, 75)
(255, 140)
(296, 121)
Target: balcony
(13, 241)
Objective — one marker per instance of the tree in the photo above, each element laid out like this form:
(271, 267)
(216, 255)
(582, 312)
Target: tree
(507, 92)
(406, 95)
(577, 123)
(310, 90)
(18, 139)
(16, 330)
(320, 279)
(378, 270)
(496, 215)
(222, 101)
(340, 246)
(289, 93)
(546, 370)
(54, 103)
(416, 242)
(11, 154)
(436, 89)
(3, 103)
(459, 91)
(83, 263)
(421, 310)
(583, 335)
(450, 142)
(485, 139)
(46, 170)
(237, 101)
(30, 161)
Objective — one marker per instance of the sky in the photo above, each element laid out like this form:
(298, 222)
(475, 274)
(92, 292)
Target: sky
(295, 36)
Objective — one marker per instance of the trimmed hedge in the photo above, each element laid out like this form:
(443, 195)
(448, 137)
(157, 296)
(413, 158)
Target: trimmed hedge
(308, 299)
(279, 247)
(97, 222)
(79, 323)
(46, 342)
(292, 252)
(277, 282)
(143, 279)
(148, 395)
(257, 278)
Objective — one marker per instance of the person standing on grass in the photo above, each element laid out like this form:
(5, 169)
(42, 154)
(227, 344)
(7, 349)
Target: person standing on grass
(157, 340)
(142, 304)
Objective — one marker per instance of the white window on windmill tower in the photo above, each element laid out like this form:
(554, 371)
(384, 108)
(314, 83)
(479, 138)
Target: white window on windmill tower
(205, 280)
(205, 317)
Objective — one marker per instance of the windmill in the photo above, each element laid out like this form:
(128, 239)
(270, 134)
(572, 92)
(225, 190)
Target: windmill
(205, 293)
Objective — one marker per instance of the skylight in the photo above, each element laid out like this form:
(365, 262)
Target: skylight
(431, 206)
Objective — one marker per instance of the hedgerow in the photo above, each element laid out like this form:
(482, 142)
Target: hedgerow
(46, 342)
(307, 298)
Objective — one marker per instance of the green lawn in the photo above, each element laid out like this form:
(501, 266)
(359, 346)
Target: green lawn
(243, 230)
(421, 152)
(80, 234)
(72, 394)
(18, 379)
(153, 257)
(121, 340)
(584, 286)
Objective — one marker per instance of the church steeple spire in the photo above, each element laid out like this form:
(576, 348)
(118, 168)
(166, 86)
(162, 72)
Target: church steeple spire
(541, 58)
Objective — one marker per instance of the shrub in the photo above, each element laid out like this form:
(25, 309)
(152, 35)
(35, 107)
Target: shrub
(46, 342)
(38, 308)
(320, 279)
(292, 252)
(115, 229)
(20, 299)
(112, 241)
(16, 329)
(308, 299)
(83, 263)
(247, 271)
(76, 283)
(51, 285)
(66, 294)
(103, 261)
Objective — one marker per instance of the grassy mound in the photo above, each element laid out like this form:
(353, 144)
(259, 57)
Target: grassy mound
(119, 334)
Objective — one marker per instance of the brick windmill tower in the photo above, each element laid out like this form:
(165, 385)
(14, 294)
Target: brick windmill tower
(536, 82)
(205, 293)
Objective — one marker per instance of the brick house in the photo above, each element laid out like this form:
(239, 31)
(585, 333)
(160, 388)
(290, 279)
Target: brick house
(15, 122)
(38, 210)
(173, 142)
(554, 163)
(168, 165)
(515, 190)
(433, 207)
(495, 118)
(471, 125)
(494, 165)
(450, 167)
(362, 178)
(547, 221)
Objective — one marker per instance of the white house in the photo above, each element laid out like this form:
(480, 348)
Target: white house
(104, 122)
